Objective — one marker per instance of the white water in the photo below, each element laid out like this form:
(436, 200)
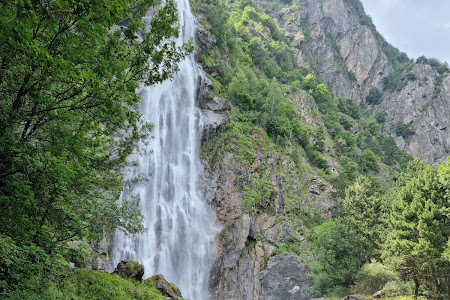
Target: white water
(179, 242)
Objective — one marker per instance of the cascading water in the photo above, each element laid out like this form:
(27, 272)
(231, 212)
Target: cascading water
(179, 242)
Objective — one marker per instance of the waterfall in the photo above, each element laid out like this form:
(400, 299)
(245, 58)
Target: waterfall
(179, 242)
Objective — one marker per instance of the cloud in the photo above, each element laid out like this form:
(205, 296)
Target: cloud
(415, 26)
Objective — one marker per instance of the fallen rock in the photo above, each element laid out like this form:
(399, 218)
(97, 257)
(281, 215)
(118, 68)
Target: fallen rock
(130, 269)
(166, 287)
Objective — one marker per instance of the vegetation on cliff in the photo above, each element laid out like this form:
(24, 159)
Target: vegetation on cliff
(375, 232)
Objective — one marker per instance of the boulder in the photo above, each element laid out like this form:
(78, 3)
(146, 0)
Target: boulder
(130, 269)
(285, 279)
(166, 287)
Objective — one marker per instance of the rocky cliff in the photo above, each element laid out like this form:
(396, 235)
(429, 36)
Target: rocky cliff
(262, 198)
(428, 115)
(339, 41)
(266, 196)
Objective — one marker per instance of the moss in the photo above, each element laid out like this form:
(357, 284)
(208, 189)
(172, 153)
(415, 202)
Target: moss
(89, 284)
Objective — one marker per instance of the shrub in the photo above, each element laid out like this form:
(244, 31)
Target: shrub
(369, 161)
(397, 288)
(372, 277)
(374, 96)
(411, 76)
(404, 130)
(380, 117)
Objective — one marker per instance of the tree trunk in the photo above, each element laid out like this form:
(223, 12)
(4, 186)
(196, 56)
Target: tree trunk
(416, 288)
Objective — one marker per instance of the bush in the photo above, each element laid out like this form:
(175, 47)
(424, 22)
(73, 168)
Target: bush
(404, 130)
(372, 277)
(380, 117)
(411, 76)
(339, 253)
(397, 288)
(369, 161)
(374, 96)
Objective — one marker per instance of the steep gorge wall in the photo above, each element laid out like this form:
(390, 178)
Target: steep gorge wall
(428, 115)
(328, 36)
(262, 197)
(331, 37)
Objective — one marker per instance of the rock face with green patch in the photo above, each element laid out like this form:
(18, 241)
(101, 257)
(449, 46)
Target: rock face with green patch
(263, 199)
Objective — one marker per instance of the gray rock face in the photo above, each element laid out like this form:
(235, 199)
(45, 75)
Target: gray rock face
(248, 240)
(413, 104)
(284, 279)
(212, 121)
(327, 35)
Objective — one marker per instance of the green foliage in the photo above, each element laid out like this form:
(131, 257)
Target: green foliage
(435, 63)
(372, 277)
(419, 229)
(369, 161)
(349, 107)
(364, 208)
(437, 87)
(403, 129)
(339, 256)
(78, 253)
(374, 96)
(316, 158)
(88, 284)
(411, 76)
(249, 199)
(69, 119)
(380, 117)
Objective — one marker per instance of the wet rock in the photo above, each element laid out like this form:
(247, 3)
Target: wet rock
(212, 121)
(204, 42)
(130, 269)
(216, 104)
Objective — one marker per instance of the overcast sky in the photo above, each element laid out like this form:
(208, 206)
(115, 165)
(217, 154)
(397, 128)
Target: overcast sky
(417, 27)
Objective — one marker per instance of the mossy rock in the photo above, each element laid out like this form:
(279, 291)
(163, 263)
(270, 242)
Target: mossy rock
(130, 269)
(165, 287)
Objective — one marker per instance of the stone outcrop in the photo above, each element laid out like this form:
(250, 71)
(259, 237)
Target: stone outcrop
(430, 117)
(285, 279)
(328, 36)
(332, 37)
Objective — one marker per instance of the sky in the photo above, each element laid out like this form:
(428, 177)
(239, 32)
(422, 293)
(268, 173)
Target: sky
(417, 27)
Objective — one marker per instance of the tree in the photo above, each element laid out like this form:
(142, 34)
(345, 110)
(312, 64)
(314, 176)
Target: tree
(419, 228)
(369, 161)
(374, 96)
(404, 130)
(339, 256)
(364, 208)
(68, 113)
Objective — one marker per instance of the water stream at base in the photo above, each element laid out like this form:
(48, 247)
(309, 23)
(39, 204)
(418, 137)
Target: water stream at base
(179, 242)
